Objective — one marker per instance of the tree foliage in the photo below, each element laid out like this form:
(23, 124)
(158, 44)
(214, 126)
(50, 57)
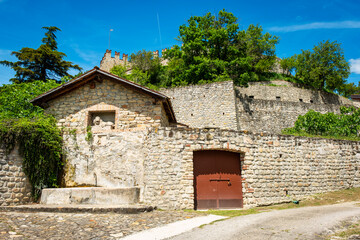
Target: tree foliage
(349, 89)
(144, 69)
(323, 67)
(214, 49)
(15, 99)
(43, 63)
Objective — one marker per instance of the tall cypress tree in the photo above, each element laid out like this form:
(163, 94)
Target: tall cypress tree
(43, 63)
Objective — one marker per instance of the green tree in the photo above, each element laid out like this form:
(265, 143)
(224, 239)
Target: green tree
(213, 49)
(349, 89)
(146, 70)
(14, 99)
(260, 48)
(287, 64)
(324, 67)
(43, 63)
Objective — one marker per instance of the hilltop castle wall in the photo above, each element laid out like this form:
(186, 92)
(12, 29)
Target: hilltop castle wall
(108, 62)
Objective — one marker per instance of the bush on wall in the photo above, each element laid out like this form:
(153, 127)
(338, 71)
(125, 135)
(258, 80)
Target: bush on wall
(346, 124)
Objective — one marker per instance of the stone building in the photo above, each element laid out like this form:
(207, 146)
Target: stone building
(205, 146)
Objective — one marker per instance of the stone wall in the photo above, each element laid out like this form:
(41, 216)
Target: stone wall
(289, 92)
(14, 186)
(208, 105)
(108, 62)
(257, 115)
(274, 166)
(261, 107)
(159, 161)
(131, 109)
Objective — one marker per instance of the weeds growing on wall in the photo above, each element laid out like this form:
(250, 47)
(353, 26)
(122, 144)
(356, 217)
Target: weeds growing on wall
(346, 124)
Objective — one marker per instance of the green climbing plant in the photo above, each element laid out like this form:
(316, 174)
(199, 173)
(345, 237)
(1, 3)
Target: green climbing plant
(25, 125)
(40, 145)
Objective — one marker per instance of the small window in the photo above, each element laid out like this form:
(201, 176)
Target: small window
(278, 98)
(251, 97)
(300, 100)
(102, 120)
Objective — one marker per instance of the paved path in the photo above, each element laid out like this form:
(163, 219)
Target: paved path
(43, 225)
(300, 223)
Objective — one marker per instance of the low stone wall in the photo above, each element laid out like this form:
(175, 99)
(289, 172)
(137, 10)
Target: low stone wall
(274, 166)
(159, 161)
(14, 186)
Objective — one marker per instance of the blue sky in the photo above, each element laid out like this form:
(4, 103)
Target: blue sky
(153, 25)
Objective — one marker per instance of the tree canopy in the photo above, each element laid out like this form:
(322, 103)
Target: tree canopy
(14, 99)
(323, 67)
(214, 49)
(43, 63)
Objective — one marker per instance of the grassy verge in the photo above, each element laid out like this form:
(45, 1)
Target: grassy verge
(348, 195)
(321, 136)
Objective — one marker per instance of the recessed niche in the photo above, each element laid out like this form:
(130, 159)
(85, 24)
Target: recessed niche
(102, 120)
(311, 101)
(278, 98)
(300, 100)
(251, 97)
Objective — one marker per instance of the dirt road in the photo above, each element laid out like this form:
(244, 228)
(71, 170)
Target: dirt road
(299, 223)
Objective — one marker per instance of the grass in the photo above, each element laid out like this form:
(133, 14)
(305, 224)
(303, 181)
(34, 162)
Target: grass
(348, 195)
(348, 230)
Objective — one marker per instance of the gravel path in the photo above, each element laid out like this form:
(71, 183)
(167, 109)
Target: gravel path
(299, 223)
(17, 225)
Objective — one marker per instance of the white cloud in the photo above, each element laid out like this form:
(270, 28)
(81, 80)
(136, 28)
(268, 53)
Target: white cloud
(317, 25)
(90, 57)
(4, 52)
(355, 65)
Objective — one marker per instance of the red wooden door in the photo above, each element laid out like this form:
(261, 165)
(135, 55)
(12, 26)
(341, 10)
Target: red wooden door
(217, 180)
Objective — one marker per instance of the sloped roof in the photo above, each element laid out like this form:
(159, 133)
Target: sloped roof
(97, 74)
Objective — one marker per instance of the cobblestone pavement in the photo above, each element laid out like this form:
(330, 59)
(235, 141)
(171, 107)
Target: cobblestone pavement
(41, 225)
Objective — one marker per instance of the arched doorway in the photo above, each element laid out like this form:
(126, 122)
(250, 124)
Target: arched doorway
(217, 179)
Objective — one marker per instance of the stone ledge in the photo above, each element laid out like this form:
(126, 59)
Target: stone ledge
(90, 196)
(124, 209)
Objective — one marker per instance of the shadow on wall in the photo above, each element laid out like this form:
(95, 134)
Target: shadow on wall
(245, 101)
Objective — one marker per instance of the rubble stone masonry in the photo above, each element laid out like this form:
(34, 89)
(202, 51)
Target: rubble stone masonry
(275, 168)
(131, 109)
(14, 186)
(208, 105)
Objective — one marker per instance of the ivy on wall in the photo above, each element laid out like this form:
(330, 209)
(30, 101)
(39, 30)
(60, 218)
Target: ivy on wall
(40, 145)
(36, 134)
